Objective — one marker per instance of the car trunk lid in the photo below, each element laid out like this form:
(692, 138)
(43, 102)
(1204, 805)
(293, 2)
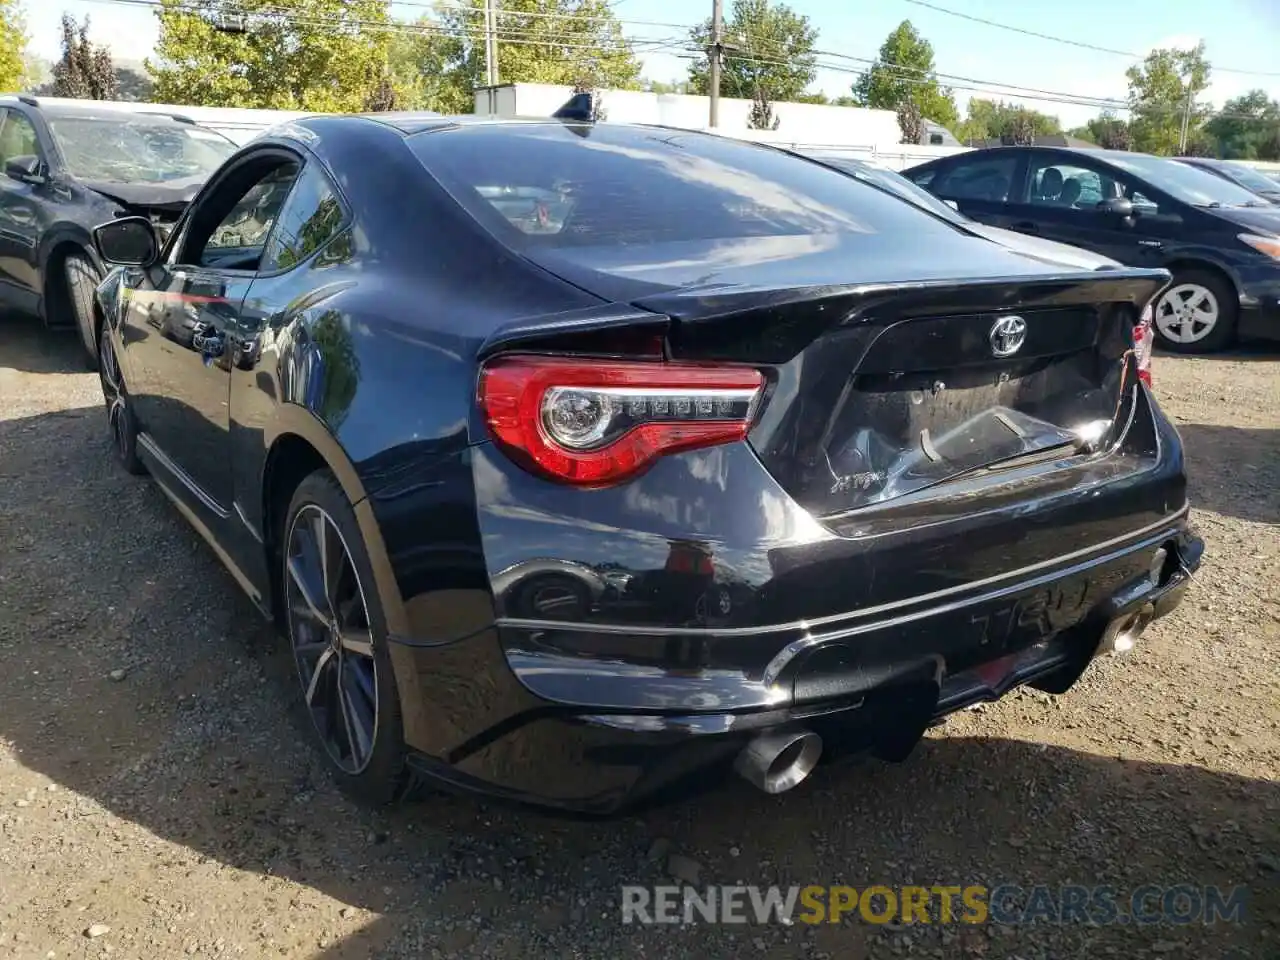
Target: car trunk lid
(880, 392)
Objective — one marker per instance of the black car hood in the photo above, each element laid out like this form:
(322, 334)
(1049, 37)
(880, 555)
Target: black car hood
(173, 193)
(1264, 220)
(637, 273)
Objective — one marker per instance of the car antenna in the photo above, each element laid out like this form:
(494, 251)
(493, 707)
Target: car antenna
(578, 108)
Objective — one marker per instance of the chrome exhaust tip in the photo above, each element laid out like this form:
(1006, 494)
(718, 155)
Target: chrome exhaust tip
(775, 762)
(1123, 632)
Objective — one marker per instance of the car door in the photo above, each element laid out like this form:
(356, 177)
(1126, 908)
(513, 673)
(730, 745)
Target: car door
(1064, 200)
(21, 219)
(182, 319)
(980, 185)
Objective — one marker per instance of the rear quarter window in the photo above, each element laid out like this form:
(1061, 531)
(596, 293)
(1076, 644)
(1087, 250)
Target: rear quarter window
(559, 185)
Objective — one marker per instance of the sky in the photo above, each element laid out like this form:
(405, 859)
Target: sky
(1240, 35)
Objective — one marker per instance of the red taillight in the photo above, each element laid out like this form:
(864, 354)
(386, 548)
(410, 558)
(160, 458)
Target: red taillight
(596, 422)
(1144, 340)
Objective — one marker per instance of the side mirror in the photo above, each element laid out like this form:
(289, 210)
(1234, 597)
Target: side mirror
(25, 170)
(129, 241)
(1118, 206)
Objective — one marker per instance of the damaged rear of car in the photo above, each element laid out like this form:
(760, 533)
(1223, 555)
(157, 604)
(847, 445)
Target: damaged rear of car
(882, 468)
(68, 168)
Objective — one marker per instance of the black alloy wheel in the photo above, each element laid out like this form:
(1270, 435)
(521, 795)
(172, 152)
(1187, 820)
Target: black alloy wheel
(124, 429)
(337, 638)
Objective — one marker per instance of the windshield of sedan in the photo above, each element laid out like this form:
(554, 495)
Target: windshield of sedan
(137, 149)
(1186, 183)
(561, 185)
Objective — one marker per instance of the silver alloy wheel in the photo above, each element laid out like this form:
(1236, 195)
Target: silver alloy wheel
(1187, 313)
(113, 394)
(331, 638)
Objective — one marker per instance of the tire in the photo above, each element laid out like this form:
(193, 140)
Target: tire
(120, 419)
(348, 690)
(1181, 328)
(82, 281)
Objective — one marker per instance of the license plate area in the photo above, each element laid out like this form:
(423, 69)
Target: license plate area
(896, 434)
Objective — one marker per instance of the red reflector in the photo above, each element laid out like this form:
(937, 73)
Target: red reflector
(995, 671)
(597, 422)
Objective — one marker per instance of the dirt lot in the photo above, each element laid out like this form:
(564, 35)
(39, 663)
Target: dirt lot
(152, 787)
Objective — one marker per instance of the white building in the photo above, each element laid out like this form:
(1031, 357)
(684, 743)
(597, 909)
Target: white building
(853, 130)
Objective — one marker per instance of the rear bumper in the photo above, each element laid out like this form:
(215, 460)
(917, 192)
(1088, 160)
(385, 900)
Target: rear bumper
(614, 716)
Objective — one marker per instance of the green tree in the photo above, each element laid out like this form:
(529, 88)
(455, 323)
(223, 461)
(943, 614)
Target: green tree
(1269, 149)
(539, 41)
(761, 116)
(133, 84)
(769, 52)
(1244, 126)
(904, 71)
(13, 46)
(321, 55)
(990, 119)
(1161, 91)
(1108, 131)
(418, 59)
(85, 71)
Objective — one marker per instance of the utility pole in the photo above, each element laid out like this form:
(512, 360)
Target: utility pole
(490, 43)
(1186, 121)
(715, 54)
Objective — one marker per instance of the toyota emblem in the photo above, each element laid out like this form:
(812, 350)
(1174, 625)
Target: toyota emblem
(1007, 336)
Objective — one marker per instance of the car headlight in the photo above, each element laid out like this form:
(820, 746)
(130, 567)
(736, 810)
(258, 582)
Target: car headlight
(1268, 245)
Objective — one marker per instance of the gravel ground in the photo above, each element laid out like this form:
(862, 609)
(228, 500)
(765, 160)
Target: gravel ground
(156, 799)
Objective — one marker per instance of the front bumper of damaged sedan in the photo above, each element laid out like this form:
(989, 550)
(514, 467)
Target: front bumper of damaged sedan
(620, 715)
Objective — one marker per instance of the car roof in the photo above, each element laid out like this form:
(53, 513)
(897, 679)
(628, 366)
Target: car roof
(1050, 148)
(412, 123)
(91, 110)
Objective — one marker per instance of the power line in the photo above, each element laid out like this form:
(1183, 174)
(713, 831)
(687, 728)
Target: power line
(682, 47)
(1067, 41)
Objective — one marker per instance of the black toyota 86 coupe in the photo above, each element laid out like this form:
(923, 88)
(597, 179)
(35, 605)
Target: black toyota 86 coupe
(584, 462)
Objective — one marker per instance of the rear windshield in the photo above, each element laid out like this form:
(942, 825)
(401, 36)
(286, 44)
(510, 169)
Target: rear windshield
(561, 185)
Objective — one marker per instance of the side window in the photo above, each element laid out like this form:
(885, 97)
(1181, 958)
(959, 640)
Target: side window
(987, 178)
(1057, 184)
(310, 218)
(17, 138)
(246, 227)
(921, 178)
